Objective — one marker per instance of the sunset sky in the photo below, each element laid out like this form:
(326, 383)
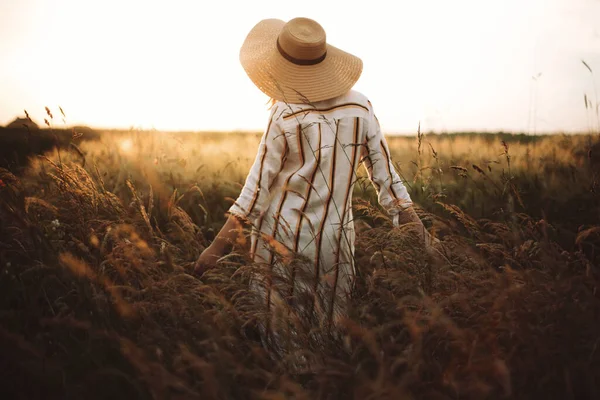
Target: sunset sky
(173, 65)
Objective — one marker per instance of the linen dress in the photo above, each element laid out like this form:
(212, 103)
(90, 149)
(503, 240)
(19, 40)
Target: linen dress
(298, 193)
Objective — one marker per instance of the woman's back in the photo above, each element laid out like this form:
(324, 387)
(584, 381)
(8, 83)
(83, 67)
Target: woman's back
(299, 191)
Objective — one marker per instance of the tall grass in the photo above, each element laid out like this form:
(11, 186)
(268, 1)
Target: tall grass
(98, 299)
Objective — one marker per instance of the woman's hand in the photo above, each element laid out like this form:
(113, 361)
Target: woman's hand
(409, 216)
(229, 234)
(434, 248)
(207, 260)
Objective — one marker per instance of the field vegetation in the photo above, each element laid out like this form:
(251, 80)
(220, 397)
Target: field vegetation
(97, 245)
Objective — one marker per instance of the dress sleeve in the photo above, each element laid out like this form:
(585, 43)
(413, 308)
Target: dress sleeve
(269, 161)
(392, 193)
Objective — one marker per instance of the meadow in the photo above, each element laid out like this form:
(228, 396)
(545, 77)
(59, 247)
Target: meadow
(97, 246)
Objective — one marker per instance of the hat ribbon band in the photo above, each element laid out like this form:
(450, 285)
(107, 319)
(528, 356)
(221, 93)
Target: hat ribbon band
(299, 61)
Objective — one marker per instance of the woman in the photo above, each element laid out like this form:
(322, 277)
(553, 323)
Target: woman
(298, 195)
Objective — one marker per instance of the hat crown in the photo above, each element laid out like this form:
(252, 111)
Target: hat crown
(291, 61)
(303, 39)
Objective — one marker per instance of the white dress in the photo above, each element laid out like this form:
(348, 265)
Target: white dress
(298, 194)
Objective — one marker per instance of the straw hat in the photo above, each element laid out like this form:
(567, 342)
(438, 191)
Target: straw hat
(292, 61)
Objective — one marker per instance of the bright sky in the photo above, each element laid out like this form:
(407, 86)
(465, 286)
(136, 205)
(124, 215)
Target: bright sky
(173, 65)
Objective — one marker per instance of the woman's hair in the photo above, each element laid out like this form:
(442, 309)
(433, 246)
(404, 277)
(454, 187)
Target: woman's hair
(271, 102)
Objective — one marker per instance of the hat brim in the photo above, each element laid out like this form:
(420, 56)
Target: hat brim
(283, 80)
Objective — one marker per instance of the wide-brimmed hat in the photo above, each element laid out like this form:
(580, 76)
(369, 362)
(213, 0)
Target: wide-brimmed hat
(292, 61)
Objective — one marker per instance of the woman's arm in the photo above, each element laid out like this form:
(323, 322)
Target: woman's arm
(254, 197)
(392, 193)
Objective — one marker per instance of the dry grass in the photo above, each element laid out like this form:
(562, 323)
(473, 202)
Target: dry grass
(98, 300)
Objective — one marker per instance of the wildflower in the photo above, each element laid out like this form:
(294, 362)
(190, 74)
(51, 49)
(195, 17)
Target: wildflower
(55, 223)
(2, 184)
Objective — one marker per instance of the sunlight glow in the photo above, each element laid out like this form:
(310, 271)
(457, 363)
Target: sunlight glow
(127, 145)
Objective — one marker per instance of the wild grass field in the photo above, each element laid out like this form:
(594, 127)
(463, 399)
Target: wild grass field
(98, 300)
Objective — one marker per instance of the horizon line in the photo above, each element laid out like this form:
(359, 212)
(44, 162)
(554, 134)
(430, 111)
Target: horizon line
(260, 131)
